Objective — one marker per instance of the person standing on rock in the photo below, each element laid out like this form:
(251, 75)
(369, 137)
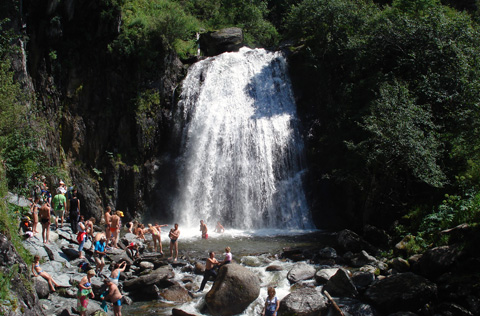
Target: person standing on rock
(44, 214)
(108, 220)
(74, 210)
(59, 206)
(84, 292)
(81, 236)
(271, 303)
(99, 254)
(114, 296)
(209, 270)
(115, 227)
(173, 235)
(34, 209)
(118, 268)
(37, 271)
(204, 229)
(155, 237)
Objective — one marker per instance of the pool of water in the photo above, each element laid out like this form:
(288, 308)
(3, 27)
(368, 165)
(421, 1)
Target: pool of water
(255, 250)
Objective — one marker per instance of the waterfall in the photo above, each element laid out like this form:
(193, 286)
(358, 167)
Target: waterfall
(242, 154)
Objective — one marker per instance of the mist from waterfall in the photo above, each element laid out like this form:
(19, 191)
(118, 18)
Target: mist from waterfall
(242, 154)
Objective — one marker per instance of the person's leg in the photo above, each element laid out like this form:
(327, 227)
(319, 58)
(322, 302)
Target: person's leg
(80, 248)
(48, 233)
(160, 244)
(206, 276)
(176, 250)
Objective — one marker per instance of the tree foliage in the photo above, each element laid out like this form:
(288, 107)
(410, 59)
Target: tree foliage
(397, 87)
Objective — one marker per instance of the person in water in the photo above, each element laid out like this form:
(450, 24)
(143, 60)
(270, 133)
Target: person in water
(209, 270)
(37, 271)
(173, 235)
(219, 228)
(272, 303)
(114, 296)
(84, 292)
(204, 229)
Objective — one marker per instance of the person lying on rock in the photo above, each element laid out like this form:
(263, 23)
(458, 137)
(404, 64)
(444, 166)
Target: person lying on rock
(37, 271)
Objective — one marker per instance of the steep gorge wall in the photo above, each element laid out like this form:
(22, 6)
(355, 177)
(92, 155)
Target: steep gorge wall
(88, 94)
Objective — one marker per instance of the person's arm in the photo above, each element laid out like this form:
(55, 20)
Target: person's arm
(33, 270)
(278, 306)
(264, 308)
(123, 265)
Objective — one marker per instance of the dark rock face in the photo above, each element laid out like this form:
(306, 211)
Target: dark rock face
(350, 241)
(26, 297)
(225, 40)
(304, 302)
(438, 260)
(405, 291)
(234, 289)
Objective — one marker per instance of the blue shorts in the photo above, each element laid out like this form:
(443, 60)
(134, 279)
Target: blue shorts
(118, 303)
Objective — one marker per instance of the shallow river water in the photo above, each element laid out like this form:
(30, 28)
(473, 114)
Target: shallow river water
(255, 250)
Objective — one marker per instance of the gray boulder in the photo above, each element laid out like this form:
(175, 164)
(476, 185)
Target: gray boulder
(301, 271)
(176, 293)
(341, 284)
(362, 280)
(437, 261)
(404, 291)
(225, 40)
(156, 277)
(323, 275)
(41, 287)
(234, 289)
(305, 301)
(351, 306)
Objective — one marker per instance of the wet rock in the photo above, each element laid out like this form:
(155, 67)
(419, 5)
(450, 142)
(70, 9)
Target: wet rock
(403, 314)
(341, 284)
(295, 254)
(179, 312)
(323, 275)
(273, 267)
(327, 253)
(234, 289)
(404, 291)
(361, 259)
(70, 252)
(199, 268)
(305, 302)
(301, 271)
(176, 293)
(448, 308)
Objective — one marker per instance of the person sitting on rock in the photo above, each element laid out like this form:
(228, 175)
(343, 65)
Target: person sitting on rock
(37, 271)
(209, 270)
(100, 253)
(228, 257)
(26, 227)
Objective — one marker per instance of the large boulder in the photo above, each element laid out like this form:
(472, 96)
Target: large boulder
(341, 284)
(234, 289)
(437, 261)
(156, 277)
(176, 293)
(323, 275)
(305, 301)
(301, 271)
(350, 241)
(351, 306)
(224, 40)
(404, 291)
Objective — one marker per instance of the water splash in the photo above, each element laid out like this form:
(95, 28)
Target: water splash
(242, 158)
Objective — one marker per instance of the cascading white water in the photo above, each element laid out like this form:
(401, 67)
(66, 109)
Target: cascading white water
(242, 155)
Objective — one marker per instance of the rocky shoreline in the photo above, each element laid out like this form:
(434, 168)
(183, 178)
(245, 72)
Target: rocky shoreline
(347, 276)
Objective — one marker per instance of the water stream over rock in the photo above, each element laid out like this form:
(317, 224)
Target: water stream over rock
(242, 159)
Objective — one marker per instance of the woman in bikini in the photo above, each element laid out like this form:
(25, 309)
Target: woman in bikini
(155, 237)
(118, 268)
(37, 271)
(34, 209)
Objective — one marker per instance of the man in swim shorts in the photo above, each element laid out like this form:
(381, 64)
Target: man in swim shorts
(44, 214)
(173, 235)
(114, 296)
(115, 227)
